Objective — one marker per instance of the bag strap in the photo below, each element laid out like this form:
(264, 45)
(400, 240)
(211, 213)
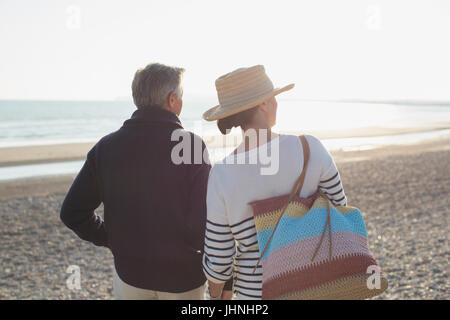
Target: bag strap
(306, 154)
(295, 190)
(327, 224)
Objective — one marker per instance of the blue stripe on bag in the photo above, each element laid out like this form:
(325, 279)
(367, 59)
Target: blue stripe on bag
(293, 229)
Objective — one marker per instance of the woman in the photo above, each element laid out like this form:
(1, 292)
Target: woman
(247, 100)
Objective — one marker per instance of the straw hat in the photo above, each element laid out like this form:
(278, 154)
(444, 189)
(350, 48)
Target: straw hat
(242, 89)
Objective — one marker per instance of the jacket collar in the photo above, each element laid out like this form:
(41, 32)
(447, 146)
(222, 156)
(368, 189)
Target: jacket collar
(152, 115)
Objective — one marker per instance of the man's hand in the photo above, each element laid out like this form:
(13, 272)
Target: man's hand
(216, 290)
(227, 295)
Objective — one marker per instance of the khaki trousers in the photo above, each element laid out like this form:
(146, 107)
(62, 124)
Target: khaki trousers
(124, 291)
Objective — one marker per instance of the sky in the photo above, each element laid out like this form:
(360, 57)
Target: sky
(348, 49)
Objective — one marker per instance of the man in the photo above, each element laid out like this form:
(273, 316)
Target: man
(154, 207)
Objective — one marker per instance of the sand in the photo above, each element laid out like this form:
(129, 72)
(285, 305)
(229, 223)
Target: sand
(403, 193)
(43, 154)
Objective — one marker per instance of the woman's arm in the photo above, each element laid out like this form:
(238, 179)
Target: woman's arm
(220, 246)
(331, 184)
(330, 181)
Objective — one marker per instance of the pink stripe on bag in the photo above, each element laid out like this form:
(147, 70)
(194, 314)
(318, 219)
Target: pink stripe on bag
(317, 274)
(297, 256)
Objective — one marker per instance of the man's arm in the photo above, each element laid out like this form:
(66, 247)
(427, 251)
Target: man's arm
(198, 207)
(78, 208)
(195, 220)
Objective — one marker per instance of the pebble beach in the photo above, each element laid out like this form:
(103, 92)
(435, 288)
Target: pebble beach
(403, 192)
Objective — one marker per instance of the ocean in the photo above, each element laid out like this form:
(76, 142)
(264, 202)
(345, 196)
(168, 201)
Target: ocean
(26, 123)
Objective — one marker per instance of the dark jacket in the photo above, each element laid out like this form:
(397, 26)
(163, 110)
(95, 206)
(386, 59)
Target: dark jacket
(154, 209)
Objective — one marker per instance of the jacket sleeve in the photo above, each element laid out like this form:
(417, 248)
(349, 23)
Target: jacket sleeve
(78, 208)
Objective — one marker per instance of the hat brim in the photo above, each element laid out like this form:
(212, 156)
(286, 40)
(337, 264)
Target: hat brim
(218, 112)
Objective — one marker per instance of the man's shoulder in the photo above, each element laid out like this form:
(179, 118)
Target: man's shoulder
(109, 137)
(180, 132)
(105, 140)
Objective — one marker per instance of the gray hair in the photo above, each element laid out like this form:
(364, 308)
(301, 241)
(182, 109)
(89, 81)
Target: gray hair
(152, 85)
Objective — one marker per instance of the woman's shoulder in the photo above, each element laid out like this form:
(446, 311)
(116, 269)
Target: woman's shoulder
(313, 141)
(316, 147)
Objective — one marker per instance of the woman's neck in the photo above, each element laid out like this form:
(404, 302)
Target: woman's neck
(254, 137)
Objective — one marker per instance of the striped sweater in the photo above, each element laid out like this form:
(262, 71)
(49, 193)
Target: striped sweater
(231, 245)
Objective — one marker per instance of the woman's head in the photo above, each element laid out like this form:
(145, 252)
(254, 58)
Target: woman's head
(246, 99)
(258, 117)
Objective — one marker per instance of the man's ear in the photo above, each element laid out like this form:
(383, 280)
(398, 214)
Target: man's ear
(172, 100)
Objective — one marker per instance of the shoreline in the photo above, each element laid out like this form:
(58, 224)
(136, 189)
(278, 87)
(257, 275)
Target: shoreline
(36, 154)
(15, 156)
(59, 184)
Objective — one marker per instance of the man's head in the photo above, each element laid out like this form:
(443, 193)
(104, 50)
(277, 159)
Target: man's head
(158, 85)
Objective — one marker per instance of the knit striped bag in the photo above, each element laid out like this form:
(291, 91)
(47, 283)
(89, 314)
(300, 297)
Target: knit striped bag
(311, 249)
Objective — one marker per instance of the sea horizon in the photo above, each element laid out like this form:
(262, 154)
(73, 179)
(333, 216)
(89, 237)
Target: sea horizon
(346, 126)
(47, 122)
